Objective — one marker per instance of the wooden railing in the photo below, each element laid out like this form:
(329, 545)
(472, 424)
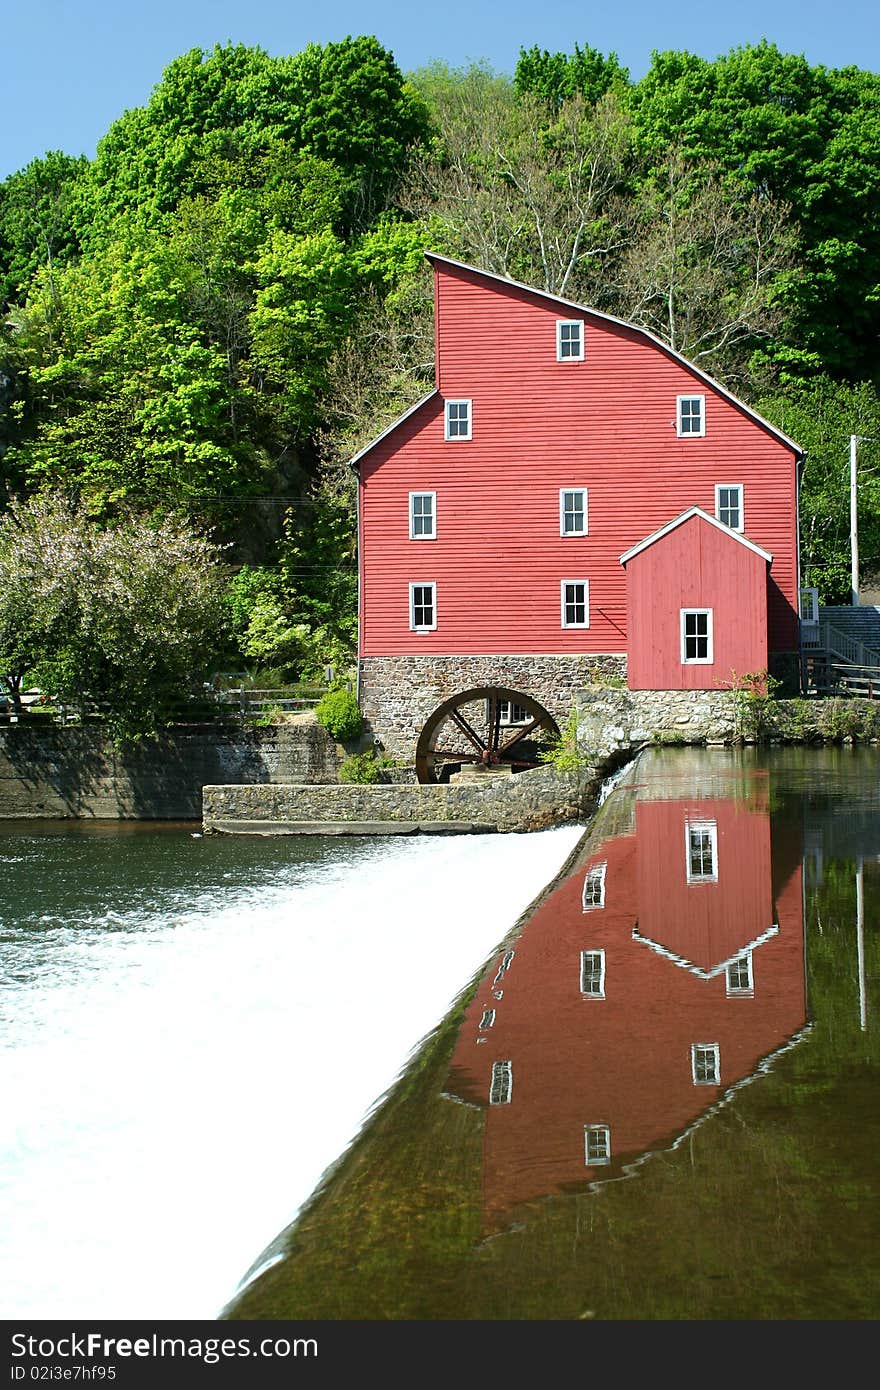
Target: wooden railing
(823, 637)
(238, 703)
(827, 677)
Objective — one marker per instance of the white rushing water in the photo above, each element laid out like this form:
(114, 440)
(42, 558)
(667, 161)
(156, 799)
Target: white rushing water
(174, 1089)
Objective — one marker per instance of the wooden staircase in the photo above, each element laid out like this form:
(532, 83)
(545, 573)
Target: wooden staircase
(841, 652)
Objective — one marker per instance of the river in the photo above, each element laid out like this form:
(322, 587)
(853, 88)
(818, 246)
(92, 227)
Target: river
(194, 1027)
(657, 1100)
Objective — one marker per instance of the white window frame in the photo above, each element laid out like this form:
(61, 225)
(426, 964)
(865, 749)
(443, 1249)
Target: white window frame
(511, 715)
(569, 356)
(501, 1084)
(705, 1050)
(701, 827)
(562, 586)
(595, 876)
(422, 584)
(599, 1159)
(740, 506)
(736, 990)
(488, 1019)
(584, 493)
(709, 658)
(679, 420)
(599, 992)
(447, 421)
(415, 535)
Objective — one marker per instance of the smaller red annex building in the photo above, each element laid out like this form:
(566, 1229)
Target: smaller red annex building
(573, 500)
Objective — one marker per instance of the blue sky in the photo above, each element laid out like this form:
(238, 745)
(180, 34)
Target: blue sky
(68, 68)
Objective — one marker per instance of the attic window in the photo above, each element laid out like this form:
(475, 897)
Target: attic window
(458, 419)
(569, 340)
(691, 416)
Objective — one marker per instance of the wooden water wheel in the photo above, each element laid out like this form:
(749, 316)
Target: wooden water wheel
(486, 727)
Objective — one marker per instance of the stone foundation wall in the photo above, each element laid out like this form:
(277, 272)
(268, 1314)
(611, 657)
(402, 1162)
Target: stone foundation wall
(59, 772)
(399, 693)
(532, 800)
(611, 720)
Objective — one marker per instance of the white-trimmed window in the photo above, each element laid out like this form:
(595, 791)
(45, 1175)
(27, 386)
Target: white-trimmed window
(423, 607)
(594, 887)
(573, 515)
(701, 847)
(697, 647)
(488, 1019)
(729, 505)
(597, 1145)
(503, 966)
(593, 974)
(690, 416)
(706, 1064)
(510, 713)
(740, 982)
(458, 419)
(569, 340)
(422, 516)
(575, 594)
(501, 1086)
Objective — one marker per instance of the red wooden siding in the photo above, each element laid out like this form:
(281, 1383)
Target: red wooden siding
(623, 1061)
(696, 565)
(607, 424)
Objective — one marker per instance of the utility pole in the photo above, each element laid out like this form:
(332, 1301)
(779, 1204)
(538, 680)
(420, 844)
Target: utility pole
(854, 521)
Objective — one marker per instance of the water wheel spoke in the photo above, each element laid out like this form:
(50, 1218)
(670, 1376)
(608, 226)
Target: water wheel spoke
(520, 734)
(450, 755)
(458, 718)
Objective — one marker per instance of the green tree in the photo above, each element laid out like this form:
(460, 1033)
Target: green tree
(821, 414)
(125, 615)
(345, 102)
(42, 211)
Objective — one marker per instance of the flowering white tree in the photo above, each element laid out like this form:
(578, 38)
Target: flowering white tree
(125, 615)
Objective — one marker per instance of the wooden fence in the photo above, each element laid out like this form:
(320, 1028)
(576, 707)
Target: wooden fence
(241, 703)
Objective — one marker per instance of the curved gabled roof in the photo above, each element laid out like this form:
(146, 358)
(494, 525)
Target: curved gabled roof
(568, 305)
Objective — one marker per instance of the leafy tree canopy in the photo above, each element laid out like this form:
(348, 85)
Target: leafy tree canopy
(124, 615)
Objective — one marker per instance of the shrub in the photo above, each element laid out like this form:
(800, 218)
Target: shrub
(360, 767)
(338, 712)
(563, 753)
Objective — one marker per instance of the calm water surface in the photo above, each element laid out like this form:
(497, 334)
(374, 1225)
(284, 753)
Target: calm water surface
(659, 1099)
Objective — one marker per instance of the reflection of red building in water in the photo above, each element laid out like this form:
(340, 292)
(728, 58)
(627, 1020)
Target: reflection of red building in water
(660, 973)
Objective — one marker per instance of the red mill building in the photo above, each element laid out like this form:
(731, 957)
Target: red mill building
(574, 499)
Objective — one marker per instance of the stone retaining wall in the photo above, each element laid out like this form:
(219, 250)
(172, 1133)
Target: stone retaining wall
(611, 720)
(532, 800)
(49, 771)
(398, 693)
